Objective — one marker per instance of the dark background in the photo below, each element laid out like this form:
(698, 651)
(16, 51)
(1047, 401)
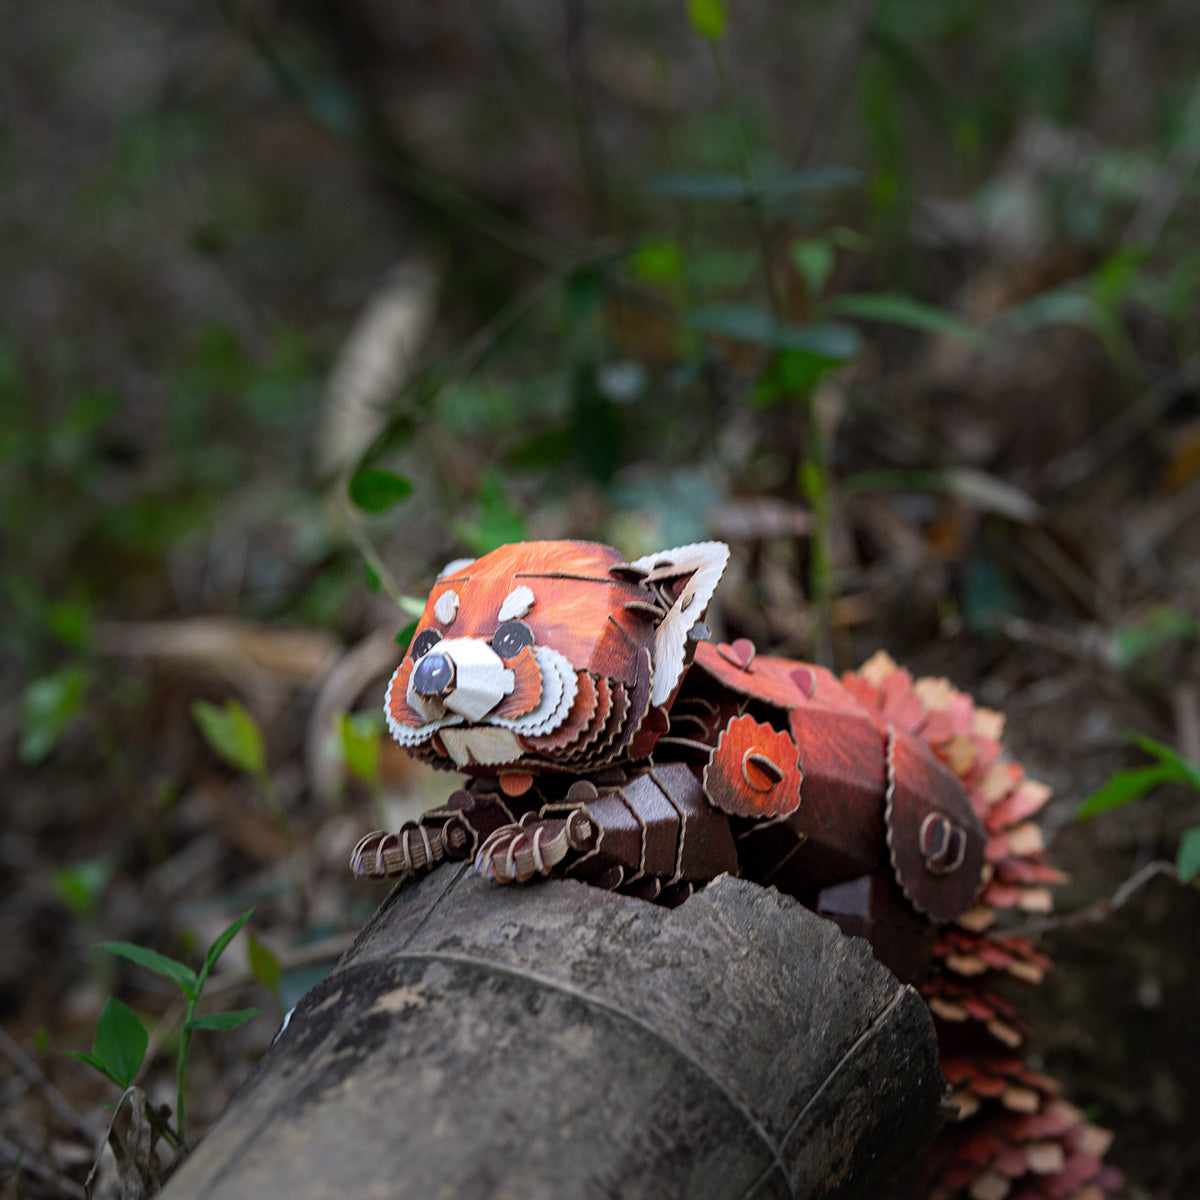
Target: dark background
(552, 264)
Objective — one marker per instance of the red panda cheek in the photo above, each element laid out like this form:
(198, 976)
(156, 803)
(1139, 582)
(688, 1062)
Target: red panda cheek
(527, 686)
(397, 703)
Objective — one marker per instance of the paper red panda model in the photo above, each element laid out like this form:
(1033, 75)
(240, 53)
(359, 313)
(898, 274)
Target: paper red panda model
(607, 739)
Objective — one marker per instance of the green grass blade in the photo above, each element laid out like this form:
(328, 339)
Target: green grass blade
(1123, 787)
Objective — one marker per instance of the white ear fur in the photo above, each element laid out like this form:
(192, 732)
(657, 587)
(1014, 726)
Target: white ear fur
(705, 562)
(453, 567)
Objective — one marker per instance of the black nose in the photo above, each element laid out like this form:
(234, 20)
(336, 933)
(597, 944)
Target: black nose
(433, 675)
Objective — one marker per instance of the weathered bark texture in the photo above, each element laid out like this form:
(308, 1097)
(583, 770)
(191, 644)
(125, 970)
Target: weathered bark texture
(555, 1040)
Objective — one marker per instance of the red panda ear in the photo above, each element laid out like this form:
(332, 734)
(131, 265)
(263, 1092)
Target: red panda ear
(453, 567)
(695, 571)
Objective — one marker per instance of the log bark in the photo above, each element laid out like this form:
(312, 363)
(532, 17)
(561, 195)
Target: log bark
(555, 1040)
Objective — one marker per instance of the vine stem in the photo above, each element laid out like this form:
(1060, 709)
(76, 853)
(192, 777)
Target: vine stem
(754, 192)
(814, 470)
(185, 1043)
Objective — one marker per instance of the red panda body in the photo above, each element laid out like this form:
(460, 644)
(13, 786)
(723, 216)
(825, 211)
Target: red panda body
(606, 739)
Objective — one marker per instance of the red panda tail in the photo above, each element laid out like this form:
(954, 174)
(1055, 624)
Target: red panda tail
(1015, 1137)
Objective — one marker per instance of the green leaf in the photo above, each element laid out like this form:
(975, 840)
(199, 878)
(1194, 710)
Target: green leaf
(658, 261)
(1163, 625)
(815, 261)
(375, 491)
(264, 962)
(223, 1020)
(789, 374)
(80, 885)
(179, 973)
(707, 18)
(232, 734)
(405, 636)
(92, 1061)
(720, 271)
(499, 522)
(746, 323)
(360, 736)
(120, 1042)
(1187, 860)
(48, 706)
(70, 623)
(1069, 304)
(730, 188)
(413, 605)
(1182, 769)
(894, 309)
(812, 481)
(1123, 787)
(220, 942)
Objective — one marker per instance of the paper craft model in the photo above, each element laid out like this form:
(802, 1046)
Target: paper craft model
(607, 739)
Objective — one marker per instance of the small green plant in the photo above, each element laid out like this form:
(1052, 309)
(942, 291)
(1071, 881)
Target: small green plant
(119, 1047)
(234, 736)
(80, 885)
(359, 736)
(1168, 767)
(48, 706)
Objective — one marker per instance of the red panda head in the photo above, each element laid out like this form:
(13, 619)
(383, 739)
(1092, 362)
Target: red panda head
(550, 656)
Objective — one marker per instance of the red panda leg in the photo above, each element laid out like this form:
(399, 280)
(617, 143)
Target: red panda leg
(454, 831)
(647, 833)
(534, 846)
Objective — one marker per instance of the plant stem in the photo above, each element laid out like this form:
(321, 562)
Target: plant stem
(814, 482)
(814, 471)
(754, 193)
(171, 1136)
(185, 1042)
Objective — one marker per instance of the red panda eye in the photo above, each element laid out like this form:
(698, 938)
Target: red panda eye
(511, 638)
(424, 642)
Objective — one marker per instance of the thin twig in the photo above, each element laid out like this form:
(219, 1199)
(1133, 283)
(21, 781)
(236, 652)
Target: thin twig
(375, 141)
(23, 1160)
(838, 84)
(1092, 645)
(754, 194)
(1081, 461)
(1169, 517)
(1185, 704)
(591, 155)
(46, 1089)
(1101, 910)
(1157, 203)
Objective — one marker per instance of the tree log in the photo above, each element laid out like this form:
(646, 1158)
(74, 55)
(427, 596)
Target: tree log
(556, 1040)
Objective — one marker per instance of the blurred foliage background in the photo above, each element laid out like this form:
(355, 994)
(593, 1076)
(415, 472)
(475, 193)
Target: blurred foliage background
(303, 299)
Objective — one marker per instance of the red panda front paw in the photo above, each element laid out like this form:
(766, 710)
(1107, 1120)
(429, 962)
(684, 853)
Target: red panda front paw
(534, 846)
(383, 855)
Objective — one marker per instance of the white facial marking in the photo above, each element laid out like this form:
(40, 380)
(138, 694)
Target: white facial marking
(481, 681)
(516, 604)
(559, 685)
(482, 744)
(446, 608)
